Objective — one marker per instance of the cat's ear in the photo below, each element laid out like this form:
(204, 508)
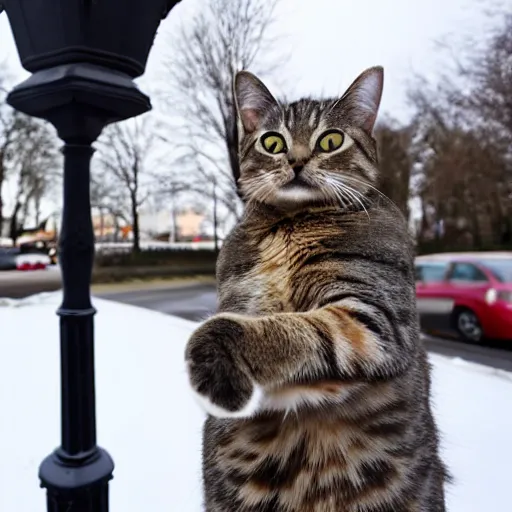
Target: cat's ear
(253, 101)
(363, 97)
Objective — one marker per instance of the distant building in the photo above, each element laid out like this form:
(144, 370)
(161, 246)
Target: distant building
(154, 223)
(186, 225)
(190, 224)
(106, 227)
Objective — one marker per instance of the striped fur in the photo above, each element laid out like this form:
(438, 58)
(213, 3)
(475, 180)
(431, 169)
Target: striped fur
(312, 371)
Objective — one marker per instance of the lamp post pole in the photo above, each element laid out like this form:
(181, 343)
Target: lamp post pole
(83, 56)
(76, 475)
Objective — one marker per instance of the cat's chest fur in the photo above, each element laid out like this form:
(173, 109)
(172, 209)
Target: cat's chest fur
(281, 255)
(277, 280)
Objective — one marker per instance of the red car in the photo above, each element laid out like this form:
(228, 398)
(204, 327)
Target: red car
(470, 293)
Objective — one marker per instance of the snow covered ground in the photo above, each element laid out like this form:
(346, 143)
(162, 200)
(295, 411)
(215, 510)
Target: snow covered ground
(152, 427)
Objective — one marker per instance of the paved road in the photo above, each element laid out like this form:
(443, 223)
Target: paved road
(16, 284)
(195, 302)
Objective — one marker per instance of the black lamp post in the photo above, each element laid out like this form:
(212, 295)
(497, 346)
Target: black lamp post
(83, 55)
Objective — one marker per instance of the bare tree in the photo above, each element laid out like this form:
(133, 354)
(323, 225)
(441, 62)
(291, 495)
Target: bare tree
(489, 73)
(395, 162)
(198, 185)
(459, 171)
(29, 158)
(224, 37)
(208, 182)
(35, 168)
(120, 178)
(490, 100)
(8, 130)
(9, 126)
(462, 144)
(108, 199)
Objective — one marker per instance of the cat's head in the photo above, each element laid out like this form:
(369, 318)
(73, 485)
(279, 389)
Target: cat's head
(308, 152)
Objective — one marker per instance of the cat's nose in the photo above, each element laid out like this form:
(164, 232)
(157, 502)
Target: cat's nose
(296, 166)
(297, 169)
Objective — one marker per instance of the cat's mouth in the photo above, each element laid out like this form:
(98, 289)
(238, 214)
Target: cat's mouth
(297, 182)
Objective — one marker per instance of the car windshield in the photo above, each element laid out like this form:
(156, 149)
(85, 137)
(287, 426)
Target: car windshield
(431, 272)
(501, 268)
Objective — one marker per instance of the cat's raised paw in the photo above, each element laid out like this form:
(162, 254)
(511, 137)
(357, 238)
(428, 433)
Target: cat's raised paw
(217, 373)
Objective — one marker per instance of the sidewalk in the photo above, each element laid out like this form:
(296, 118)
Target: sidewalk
(17, 285)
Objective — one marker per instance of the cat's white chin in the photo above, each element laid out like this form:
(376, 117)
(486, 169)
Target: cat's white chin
(249, 409)
(296, 194)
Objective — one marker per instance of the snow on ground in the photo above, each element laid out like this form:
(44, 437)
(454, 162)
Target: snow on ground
(152, 427)
(146, 419)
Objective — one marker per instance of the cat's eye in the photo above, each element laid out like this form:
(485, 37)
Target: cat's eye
(273, 142)
(330, 141)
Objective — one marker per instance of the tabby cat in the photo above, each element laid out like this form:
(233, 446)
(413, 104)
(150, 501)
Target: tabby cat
(312, 372)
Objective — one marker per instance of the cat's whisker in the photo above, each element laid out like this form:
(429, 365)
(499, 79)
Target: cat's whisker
(360, 194)
(262, 189)
(341, 193)
(351, 194)
(331, 187)
(357, 196)
(354, 193)
(344, 191)
(346, 202)
(366, 184)
(341, 196)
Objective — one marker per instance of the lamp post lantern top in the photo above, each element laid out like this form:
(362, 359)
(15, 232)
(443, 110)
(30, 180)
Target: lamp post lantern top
(115, 34)
(85, 51)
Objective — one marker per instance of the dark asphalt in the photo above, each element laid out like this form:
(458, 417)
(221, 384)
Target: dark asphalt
(193, 302)
(16, 284)
(196, 302)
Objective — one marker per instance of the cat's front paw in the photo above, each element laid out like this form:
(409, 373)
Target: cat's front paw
(217, 371)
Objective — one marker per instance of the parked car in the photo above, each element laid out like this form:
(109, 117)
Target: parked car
(470, 293)
(32, 261)
(8, 257)
(47, 247)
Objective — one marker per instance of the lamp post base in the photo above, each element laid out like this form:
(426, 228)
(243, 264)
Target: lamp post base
(77, 483)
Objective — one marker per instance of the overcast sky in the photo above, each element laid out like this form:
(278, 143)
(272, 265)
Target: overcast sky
(331, 41)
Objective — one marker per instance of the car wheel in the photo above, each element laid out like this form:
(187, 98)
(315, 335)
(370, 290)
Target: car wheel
(468, 326)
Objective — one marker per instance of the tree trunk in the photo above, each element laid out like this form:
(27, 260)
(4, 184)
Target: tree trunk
(2, 175)
(116, 227)
(177, 229)
(14, 228)
(172, 234)
(475, 225)
(37, 208)
(215, 221)
(424, 221)
(24, 215)
(102, 223)
(135, 223)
